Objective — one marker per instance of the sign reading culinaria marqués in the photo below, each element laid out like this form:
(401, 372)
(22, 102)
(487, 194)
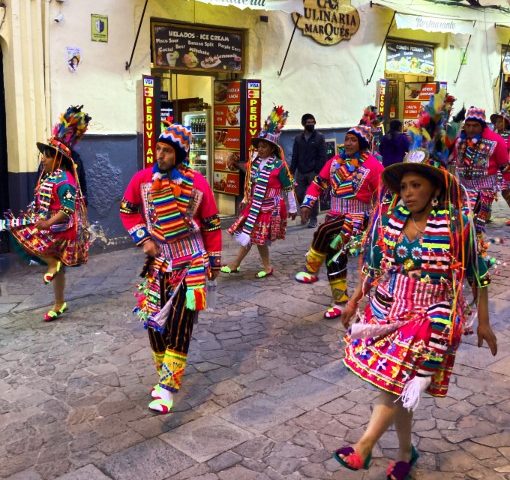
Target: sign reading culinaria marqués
(328, 22)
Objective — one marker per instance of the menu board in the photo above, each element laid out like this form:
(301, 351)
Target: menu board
(416, 96)
(186, 47)
(227, 137)
(409, 58)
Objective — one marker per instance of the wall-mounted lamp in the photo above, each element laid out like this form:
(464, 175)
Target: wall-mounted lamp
(59, 18)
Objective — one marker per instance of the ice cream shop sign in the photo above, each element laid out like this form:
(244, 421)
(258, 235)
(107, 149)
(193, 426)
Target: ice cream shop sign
(328, 22)
(196, 48)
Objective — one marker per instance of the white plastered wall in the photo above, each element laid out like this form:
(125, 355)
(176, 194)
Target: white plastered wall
(328, 81)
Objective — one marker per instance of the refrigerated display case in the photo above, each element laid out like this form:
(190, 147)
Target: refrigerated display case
(199, 148)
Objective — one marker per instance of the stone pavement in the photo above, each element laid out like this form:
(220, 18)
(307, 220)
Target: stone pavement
(265, 395)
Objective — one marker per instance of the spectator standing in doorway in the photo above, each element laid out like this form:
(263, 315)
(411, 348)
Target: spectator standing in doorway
(394, 145)
(308, 157)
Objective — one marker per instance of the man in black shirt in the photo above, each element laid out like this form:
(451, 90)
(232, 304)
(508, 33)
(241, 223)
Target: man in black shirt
(308, 157)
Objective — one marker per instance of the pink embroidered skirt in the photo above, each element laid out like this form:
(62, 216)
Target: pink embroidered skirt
(271, 223)
(391, 360)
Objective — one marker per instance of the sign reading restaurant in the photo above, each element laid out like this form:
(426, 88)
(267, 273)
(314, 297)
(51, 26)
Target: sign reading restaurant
(328, 22)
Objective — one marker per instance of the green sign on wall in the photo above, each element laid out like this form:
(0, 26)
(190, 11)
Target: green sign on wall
(98, 28)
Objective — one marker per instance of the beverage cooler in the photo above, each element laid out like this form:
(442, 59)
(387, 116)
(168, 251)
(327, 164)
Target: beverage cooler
(200, 148)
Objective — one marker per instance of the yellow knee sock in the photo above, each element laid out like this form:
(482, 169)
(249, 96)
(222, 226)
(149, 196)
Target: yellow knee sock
(339, 290)
(314, 260)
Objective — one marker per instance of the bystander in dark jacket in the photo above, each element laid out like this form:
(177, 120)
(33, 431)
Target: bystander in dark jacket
(308, 157)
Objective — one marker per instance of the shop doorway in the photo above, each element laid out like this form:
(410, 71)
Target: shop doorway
(4, 172)
(406, 95)
(187, 99)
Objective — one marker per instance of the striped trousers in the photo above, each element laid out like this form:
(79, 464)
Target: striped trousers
(170, 348)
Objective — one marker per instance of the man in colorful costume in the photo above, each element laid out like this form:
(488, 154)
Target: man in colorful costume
(353, 175)
(478, 156)
(170, 212)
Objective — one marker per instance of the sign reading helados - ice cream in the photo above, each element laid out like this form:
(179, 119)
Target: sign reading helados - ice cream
(328, 22)
(186, 47)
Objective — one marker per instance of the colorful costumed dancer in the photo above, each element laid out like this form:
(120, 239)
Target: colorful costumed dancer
(420, 248)
(264, 216)
(478, 155)
(501, 123)
(54, 229)
(353, 175)
(170, 212)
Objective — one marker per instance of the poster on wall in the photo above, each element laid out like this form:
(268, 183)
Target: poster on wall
(198, 49)
(73, 58)
(99, 28)
(409, 58)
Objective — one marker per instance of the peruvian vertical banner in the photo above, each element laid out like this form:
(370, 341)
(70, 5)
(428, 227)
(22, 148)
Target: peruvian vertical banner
(253, 90)
(149, 126)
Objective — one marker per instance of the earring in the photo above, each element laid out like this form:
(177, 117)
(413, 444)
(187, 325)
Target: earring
(434, 202)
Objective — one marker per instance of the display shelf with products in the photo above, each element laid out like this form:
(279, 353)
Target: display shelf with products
(199, 148)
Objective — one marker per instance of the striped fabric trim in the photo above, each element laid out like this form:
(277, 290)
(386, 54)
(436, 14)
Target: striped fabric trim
(170, 209)
(259, 191)
(347, 205)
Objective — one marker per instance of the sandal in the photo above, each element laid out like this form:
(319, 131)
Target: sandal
(306, 277)
(161, 406)
(401, 470)
(48, 277)
(264, 274)
(155, 391)
(352, 460)
(333, 312)
(54, 314)
(227, 269)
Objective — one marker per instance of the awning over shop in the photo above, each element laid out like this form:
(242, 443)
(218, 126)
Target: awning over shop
(446, 9)
(434, 24)
(288, 6)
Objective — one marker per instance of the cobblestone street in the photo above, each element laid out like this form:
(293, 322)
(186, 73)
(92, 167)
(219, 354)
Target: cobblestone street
(265, 395)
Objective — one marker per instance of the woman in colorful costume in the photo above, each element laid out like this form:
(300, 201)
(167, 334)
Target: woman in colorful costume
(54, 229)
(420, 248)
(264, 216)
(170, 212)
(501, 122)
(353, 175)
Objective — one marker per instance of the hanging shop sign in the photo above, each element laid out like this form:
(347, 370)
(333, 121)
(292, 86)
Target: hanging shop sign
(409, 58)
(328, 22)
(434, 24)
(149, 127)
(199, 49)
(288, 6)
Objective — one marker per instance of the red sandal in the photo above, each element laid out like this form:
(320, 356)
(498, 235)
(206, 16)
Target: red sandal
(351, 459)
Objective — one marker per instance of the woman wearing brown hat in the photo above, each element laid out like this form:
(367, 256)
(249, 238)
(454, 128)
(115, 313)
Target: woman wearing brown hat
(418, 253)
(57, 232)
